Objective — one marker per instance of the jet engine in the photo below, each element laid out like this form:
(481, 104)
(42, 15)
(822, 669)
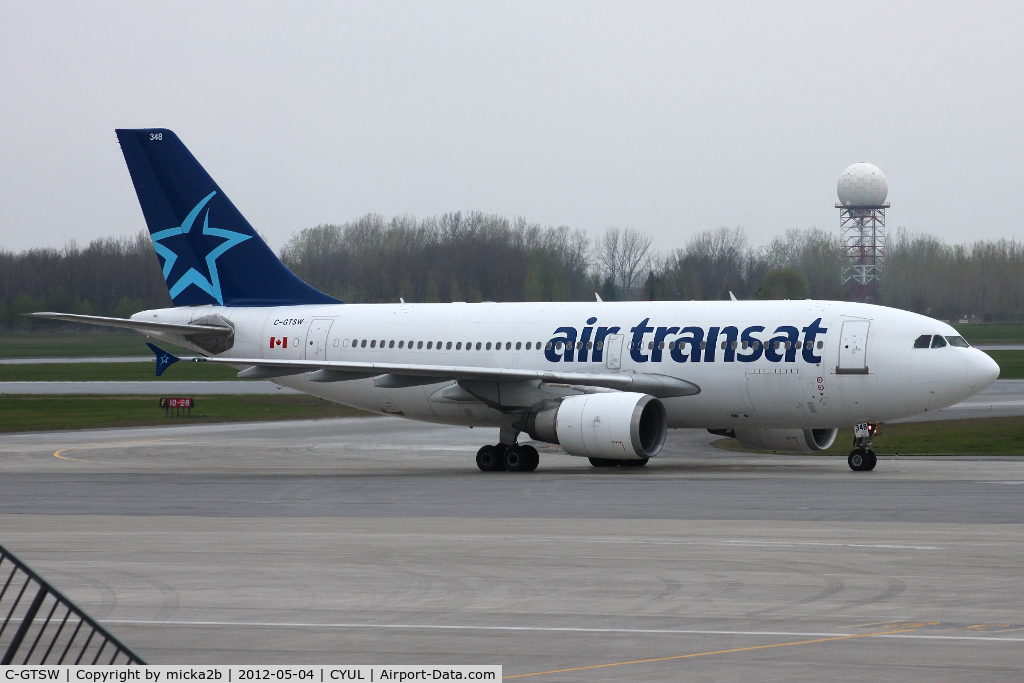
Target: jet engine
(606, 425)
(798, 440)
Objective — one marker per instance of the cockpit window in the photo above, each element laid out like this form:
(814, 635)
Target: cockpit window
(938, 342)
(958, 341)
(923, 341)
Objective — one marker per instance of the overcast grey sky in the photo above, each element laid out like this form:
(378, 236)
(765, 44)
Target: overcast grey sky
(669, 117)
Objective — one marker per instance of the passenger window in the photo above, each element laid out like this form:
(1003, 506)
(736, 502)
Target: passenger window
(419, 345)
(373, 344)
(923, 341)
(821, 345)
(439, 345)
(527, 346)
(488, 346)
(508, 346)
(958, 341)
(401, 344)
(458, 347)
(362, 344)
(478, 346)
(448, 346)
(391, 344)
(430, 345)
(938, 342)
(519, 345)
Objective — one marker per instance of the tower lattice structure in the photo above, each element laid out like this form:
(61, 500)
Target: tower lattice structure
(863, 233)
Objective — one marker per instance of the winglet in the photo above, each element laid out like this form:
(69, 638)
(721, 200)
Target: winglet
(598, 297)
(732, 296)
(164, 359)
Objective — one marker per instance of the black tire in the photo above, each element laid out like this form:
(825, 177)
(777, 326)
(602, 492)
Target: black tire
(533, 457)
(489, 459)
(518, 460)
(857, 460)
(639, 462)
(603, 462)
(870, 462)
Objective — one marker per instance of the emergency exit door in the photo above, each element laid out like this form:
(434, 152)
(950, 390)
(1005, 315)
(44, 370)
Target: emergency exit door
(853, 348)
(613, 351)
(316, 339)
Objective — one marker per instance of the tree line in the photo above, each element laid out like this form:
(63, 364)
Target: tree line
(484, 257)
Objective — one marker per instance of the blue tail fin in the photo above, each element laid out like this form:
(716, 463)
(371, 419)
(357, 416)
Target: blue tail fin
(208, 251)
(164, 359)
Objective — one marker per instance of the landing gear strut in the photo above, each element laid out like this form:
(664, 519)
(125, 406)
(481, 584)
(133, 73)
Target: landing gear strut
(863, 459)
(514, 458)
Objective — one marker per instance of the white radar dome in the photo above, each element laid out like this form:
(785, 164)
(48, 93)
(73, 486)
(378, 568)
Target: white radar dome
(862, 184)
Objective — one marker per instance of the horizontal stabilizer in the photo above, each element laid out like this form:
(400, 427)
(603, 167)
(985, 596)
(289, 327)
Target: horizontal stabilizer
(138, 325)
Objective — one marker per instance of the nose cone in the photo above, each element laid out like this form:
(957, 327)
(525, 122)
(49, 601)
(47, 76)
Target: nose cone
(981, 370)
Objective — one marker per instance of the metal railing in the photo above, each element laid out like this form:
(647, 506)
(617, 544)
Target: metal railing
(40, 624)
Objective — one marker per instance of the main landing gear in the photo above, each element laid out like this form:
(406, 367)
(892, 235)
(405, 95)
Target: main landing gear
(513, 458)
(863, 459)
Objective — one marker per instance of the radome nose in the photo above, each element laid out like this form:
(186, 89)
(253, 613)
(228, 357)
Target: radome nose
(981, 370)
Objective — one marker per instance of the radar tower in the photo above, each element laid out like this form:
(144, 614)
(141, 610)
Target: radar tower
(862, 189)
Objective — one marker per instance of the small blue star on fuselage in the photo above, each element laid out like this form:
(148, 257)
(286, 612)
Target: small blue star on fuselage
(211, 284)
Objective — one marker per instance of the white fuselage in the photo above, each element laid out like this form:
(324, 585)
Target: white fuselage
(845, 363)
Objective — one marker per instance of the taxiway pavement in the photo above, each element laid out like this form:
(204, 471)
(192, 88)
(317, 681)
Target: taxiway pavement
(374, 540)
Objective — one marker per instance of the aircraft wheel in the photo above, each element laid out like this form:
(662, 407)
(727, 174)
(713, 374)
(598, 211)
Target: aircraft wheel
(858, 459)
(488, 459)
(533, 457)
(870, 461)
(640, 462)
(602, 462)
(517, 459)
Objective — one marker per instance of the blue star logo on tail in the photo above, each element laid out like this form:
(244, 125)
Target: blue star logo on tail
(209, 283)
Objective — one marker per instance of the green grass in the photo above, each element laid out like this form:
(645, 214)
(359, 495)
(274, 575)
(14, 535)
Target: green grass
(988, 436)
(79, 345)
(1011, 363)
(114, 372)
(36, 413)
(992, 334)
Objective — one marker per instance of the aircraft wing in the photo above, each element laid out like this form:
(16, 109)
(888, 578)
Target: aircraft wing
(139, 325)
(401, 374)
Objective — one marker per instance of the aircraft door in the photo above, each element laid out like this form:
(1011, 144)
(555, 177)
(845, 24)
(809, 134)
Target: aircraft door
(853, 348)
(316, 339)
(613, 351)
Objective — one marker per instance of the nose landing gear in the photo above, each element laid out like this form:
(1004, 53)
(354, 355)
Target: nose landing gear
(863, 459)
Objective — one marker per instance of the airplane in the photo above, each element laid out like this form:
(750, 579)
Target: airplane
(604, 380)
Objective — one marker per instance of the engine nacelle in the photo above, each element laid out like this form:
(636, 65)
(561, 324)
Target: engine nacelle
(797, 440)
(606, 425)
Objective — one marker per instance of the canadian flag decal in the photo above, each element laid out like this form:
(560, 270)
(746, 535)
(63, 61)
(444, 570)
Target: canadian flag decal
(280, 343)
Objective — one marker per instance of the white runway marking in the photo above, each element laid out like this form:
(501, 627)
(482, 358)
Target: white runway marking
(545, 629)
(755, 544)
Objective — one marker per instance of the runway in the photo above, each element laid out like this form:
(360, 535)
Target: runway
(374, 540)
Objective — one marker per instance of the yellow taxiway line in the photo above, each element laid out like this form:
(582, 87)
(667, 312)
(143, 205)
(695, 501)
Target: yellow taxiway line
(715, 652)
